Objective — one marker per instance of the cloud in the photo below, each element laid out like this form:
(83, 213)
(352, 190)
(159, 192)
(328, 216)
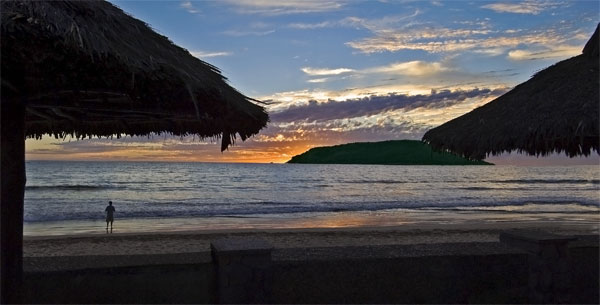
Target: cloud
(300, 127)
(375, 118)
(411, 68)
(247, 33)
(256, 28)
(278, 7)
(318, 80)
(325, 71)
(205, 54)
(372, 105)
(477, 35)
(560, 51)
(357, 22)
(311, 26)
(188, 6)
(526, 7)
(338, 132)
(446, 40)
(386, 84)
(383, 22)
(414, 69)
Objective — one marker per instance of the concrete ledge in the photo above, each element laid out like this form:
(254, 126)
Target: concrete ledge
(240, 246)
(394, 251)
(585, 241)
(532, 240)
(251, 271)
(72, 263)
(535, 236)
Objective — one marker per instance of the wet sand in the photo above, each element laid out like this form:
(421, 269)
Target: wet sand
(199, 240)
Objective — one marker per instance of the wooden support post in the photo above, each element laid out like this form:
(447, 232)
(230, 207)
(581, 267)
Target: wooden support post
(13, 191)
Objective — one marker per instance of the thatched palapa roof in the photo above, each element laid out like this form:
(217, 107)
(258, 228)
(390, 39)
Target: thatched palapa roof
(557, 110)
(86, 68)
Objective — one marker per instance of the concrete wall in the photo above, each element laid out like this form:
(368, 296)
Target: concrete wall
(584, 262)
(147, 285)
(465, 276)
(133, 279)
(435, 273)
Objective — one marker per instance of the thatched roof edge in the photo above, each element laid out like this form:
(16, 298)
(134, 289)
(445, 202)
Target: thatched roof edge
(556, 111)
(592, 47)
(97, 36)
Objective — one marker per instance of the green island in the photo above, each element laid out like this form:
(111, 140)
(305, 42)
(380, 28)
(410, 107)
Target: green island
(399, 152)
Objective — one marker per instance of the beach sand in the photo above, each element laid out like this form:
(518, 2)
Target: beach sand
(199, 241)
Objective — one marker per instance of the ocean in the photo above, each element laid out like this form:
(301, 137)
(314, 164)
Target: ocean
(70, 197)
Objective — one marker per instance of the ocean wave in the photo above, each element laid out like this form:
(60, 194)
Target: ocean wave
(524, 208)
(477, 188)
(374, 181)
(522, 188)
(270, 208)
(507, 181)
(71, 187)
(547, 181)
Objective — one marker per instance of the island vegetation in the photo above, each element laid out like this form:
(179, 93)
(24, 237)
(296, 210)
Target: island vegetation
(400, 152)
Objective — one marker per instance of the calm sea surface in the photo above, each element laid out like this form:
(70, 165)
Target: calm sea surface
(79, 191)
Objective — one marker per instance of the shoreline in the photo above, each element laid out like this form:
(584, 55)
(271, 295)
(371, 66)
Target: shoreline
(199, 240)
(406, 218)
(552, 226)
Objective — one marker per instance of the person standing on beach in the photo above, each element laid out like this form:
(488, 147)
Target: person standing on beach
(110, 210)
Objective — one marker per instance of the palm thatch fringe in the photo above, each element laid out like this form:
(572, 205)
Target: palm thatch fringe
(557, 110)
(81, 66)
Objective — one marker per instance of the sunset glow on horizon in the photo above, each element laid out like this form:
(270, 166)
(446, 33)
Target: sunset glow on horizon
(339, 71)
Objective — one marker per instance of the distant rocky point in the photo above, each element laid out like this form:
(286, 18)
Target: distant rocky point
(401, 152)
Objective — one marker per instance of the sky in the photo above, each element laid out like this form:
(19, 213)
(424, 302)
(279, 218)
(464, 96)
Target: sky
(338, 71)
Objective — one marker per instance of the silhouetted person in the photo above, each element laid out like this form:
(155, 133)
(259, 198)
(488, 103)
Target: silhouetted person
(110, 210)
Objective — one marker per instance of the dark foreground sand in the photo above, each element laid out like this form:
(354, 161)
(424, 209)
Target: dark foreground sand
(199, 241)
